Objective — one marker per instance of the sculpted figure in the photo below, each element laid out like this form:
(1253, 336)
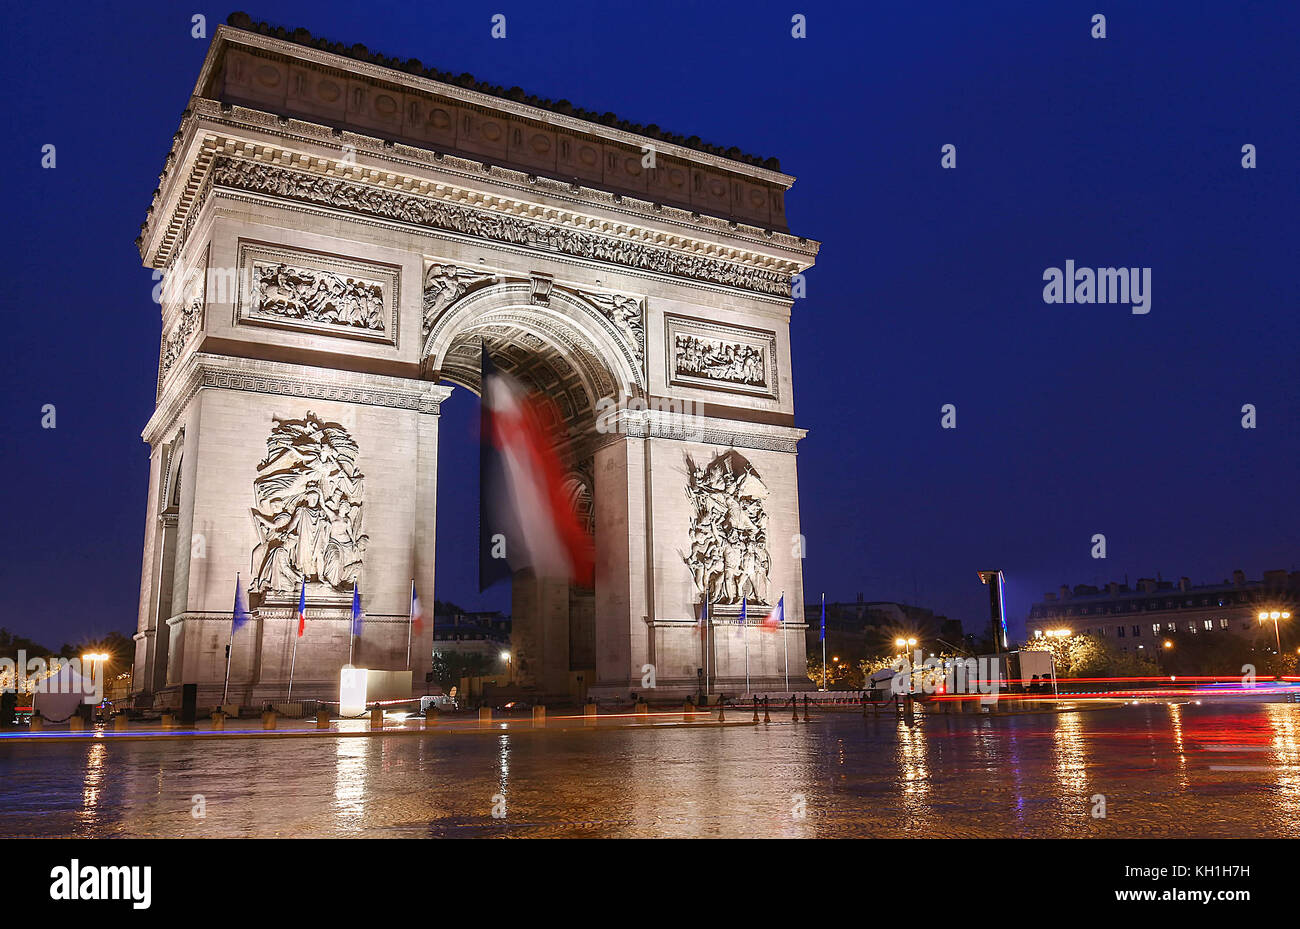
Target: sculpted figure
(444, 284)
(308, 493)
(728, 557)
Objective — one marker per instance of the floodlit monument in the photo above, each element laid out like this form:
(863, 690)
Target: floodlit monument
(338, 234)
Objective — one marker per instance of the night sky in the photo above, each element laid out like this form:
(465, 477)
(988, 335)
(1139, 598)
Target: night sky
(1072, 419)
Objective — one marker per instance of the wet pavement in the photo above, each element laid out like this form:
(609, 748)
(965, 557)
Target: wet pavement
(1163, 770)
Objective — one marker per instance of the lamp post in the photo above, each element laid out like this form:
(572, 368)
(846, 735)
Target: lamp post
(1275, 615)
(505, 656)
(97, 673)
(903, 643)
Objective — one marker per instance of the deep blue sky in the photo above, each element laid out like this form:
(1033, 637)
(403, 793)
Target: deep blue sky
(1072, 420)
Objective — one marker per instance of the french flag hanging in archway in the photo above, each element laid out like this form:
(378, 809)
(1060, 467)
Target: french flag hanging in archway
(526, 519)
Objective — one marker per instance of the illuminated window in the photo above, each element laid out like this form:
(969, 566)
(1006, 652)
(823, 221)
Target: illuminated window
(1191, 627)
(1209, 625)
(1171, 627)
(1155, 628)
(1223, 623)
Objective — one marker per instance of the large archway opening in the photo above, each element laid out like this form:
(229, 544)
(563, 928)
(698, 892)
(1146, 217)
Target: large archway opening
(565, 361)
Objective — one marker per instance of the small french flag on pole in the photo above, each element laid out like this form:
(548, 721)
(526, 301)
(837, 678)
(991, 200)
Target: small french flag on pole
(417, 614)
(776, 619)
(302, 608)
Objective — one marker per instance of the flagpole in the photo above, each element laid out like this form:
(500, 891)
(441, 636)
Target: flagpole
(708, 621)
(785, 641)
(352, 627)
(744, 628)
(293, 659)
(823, 641)
(288, 698)
(230, 643)
(410, 623)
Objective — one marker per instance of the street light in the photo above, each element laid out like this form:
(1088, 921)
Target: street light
(1275, 615)
(505, 656)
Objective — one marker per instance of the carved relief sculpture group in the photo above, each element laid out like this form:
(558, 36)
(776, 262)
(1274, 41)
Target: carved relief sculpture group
(309, 494)
(729, 558)
(715, 359)
(318, 296)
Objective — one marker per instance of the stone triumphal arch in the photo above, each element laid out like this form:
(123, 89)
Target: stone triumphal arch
(338, 235)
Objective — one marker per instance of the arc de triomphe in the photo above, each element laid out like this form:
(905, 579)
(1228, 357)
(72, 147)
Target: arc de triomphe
(337, 234)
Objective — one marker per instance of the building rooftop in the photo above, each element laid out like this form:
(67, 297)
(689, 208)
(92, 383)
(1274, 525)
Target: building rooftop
(517, 94)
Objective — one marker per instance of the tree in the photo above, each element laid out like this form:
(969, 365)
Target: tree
(1090, 656)
(840, 675)
(450, 666)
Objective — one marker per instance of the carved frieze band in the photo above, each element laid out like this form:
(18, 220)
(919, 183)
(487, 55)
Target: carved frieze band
(716, 357)
(289, 289)
(273, 180)
(184, 322)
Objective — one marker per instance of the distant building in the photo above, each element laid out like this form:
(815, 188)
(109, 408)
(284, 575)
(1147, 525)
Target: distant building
(868, 626)
(1143, 617)
(486, 632)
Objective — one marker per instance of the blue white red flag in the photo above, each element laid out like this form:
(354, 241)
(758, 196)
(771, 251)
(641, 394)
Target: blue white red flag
(417, 614)
(302, 608)
(526, 517)
(776, 619)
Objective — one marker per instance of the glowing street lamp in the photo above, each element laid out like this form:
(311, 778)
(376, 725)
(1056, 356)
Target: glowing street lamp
(93, 659)
(505, 656)
(1275, 615)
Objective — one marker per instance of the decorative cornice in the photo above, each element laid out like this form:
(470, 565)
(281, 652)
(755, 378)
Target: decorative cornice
(695, 430)
(225, 372)
(276, 181)
(183, 203)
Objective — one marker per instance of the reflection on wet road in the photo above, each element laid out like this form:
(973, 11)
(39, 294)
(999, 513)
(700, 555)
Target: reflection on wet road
(1164, 771)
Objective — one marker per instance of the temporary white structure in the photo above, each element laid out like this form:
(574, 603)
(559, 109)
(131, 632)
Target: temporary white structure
(57, 697)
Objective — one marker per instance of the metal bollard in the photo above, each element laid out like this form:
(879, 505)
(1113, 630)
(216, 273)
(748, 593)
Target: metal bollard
(168, 720)
(268, 719)
(722, 711)
(755, 699)
(767, 717)
(539, 717)
(688, 711)
(485, 716)
(794, 706)
(37, 723)
(377, 717)
(589, 715)
(642, 711)
(218, 721)
(322, 719)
